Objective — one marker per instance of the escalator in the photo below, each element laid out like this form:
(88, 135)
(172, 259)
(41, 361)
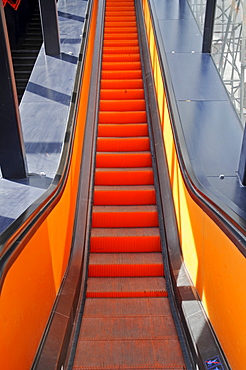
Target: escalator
(24, 57)
(127, 320)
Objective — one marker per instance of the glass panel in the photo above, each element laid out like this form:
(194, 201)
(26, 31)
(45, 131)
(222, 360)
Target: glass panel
(198, 8)
(228, 51)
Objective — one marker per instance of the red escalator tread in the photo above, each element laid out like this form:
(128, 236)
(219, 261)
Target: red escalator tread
(120, 43)
(135, 354)
(121, 36)
(125, 216)
(123, 94)
(120, 58)
(120, 328)
(126, 287)
(125, 49)
(117, 23)
(121, 65)
(121, 74)
(120, 30)
(122, 130)
(124, 176)
(125, 264)
(122, 117)
(124, 195)
(124, 144)
(122, 307)
(122, 84)
(125, 240)
(122, 105)
(123, 159)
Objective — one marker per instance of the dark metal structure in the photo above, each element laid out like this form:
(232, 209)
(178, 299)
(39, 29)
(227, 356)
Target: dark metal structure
(50, 29)
(12, 152)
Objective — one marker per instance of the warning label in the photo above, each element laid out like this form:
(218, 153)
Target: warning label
(214, 363)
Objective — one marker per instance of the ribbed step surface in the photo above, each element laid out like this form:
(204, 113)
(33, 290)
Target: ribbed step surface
(125, 264)
(113, 240)
(124, 195)
(126, 287)
(125, 216)
(127, 323)
(124, 176)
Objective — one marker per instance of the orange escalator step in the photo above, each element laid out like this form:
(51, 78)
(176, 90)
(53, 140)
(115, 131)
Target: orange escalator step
(125, 240)
(116, 13)
(123, 94)
(120, 30)
(121, 36)
(123, 159)
(124, 195)
(121, 66)
(124, 176)
(125, 216)
(120, 43)
(126, 287)
(134, 354)
(122, 84)
(120, 50)
(122, 130)
(129, 327)
(122, 74)
(119, 58)
(125, 264)
(133, 144)
(122, 105)
(122, 117)
(117, 23)
(122, 307)
(120, 4)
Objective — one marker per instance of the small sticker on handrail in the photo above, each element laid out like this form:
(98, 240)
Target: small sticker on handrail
(214, 363)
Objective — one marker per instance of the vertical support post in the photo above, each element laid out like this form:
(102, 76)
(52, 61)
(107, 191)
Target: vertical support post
(12, 152)
(208, 26)
(242, 161)
(49, 20)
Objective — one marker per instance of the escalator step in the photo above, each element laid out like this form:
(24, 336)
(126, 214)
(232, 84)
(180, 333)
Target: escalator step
(117, 23)
(120, 43)
(124, 176)
(123, 159)
(120, 50)
(125, 216)
(126, 287)
(123, 117)
(121, 65)
(123, 94)
(122, 84)
(121, 74)
(122, 105)
(125, 240)
(120, 58)
(124, 195)
(121, 36)
(122, 307)
(111, 144)
(123, 130)
(125, 264)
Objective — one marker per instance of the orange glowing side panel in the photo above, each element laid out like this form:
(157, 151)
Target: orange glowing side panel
(214, 263)
(32, 282)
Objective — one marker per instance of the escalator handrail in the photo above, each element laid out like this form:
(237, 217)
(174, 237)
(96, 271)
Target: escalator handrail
(229, 222)
(194, 352)
(64, 348)
(15, 237)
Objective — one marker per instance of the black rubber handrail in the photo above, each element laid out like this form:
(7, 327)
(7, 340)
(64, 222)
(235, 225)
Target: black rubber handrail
(228, 221)
(24, 227)
(195, 353)
(60, 336)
